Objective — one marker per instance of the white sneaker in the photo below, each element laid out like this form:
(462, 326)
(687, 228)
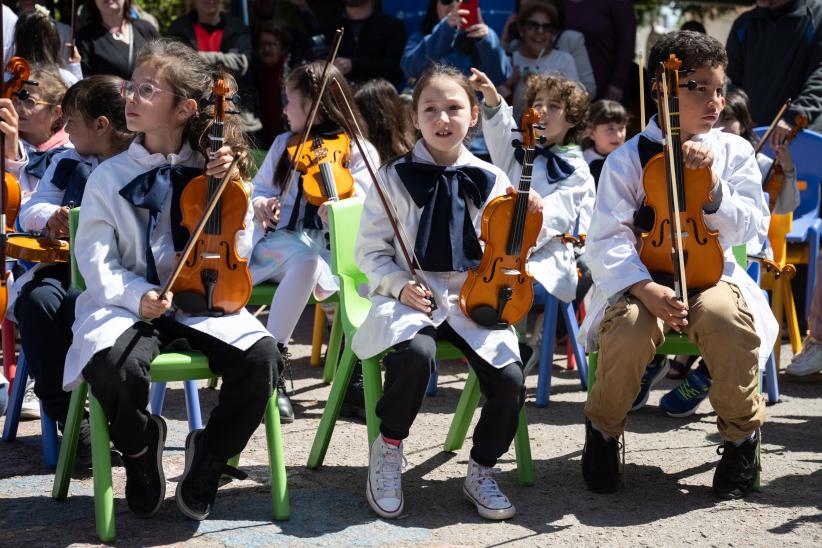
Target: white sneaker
(31, 404)
(807, 362)
(384, 490)
(481, 489)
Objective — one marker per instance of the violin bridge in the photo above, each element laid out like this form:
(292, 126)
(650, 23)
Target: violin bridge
(210, 256)
(510, 272)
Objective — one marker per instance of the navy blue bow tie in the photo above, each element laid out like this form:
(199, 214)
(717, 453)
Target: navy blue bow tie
(647, 149)
(556, 167)
(443, 193)
(150, 191)
(39, 161)
(70, 176)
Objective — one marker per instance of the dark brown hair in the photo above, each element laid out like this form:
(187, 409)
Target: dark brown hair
(738, 107)
(535, 6)
(191, 77)
(96, 96)
(438, 70)
(694, 49)
(573, 97)
(386, 116)
(604, 111)
(90, 7)
(36, 39)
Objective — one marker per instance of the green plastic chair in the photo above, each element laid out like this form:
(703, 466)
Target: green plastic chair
(678, 345)
(344, 216)
(167, 367)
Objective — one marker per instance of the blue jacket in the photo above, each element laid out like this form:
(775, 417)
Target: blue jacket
(421, 51)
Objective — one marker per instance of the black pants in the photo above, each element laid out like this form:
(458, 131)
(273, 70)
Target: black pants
(45, 311)
(407, 370)
(119, 379)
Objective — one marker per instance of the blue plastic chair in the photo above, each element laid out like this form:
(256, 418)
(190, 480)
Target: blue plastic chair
(806, 150)
(48, 427)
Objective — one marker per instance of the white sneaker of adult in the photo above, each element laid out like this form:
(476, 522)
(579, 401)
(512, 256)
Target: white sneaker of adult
(807, 362)
(31, 403)
(384, 490)
(481, 488)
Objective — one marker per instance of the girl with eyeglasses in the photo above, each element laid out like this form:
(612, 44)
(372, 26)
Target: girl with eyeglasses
(126, 245)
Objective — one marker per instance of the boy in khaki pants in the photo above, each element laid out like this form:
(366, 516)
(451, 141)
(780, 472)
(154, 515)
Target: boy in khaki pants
(730, 322)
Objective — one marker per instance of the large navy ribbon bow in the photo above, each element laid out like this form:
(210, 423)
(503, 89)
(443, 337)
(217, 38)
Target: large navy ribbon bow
(150, 191)
(647, 149)
(556, 167)
(446, 238)
(39, 161)
(70, 176)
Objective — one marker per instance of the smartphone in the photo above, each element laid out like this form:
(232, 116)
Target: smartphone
(472, 17)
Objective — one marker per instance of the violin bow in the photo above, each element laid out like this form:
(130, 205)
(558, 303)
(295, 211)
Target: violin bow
(393, 217)
(312, 114)
(3, 198)
(761, 144)
(73, 25)
(198, 230)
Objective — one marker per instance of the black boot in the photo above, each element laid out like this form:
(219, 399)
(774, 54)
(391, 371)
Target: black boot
(283, 403)
(354, 402)
(601, 466)
(736, 471)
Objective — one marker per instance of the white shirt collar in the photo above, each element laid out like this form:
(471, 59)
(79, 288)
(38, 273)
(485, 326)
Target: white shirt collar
(421, 153)
(142, 156)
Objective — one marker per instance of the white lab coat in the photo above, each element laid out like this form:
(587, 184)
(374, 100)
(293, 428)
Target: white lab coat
(613, 244)
(380, 258)
(552, 263)
(110, 250)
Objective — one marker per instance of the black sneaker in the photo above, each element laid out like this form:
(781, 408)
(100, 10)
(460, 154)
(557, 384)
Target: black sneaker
(601, 466)
(283, 403)
(354, 402)
(736, 471)
(145, 482)
(198, 484)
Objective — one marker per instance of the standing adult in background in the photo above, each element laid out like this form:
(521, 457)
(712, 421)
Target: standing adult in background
(609, 27)
(775, 53)
(221, 39)
(272, 42)
(372, 43)
(109, 43)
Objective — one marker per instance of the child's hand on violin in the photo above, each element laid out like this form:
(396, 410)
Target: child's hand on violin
(267, 212)
(153, 306)
(58, 224)
(481, 83)
(661, 301)
(783, 155)
(9, 122)
(696, 155)
(219, 162)
(413, 296)
(534, 199)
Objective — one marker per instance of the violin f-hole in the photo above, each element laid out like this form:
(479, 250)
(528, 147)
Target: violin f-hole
(228, 263)
(692, 222)
(658, 241)
(195, 254)
(489, 277)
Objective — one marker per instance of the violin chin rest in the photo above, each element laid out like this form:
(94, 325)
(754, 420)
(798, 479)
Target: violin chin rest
(487, 317)
(195, 304)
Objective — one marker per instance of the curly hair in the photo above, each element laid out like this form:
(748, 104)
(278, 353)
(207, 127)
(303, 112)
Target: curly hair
(573, 97)
(694, 49)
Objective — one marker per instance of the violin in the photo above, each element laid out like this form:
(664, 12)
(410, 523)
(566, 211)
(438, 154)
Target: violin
(213, 279)
(324, 167)
(500, 291)
(775, 178)
(680, 251)
(36, 249)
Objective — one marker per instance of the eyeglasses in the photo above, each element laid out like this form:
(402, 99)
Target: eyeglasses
(144, 90)
(533, 26)
(24, 98)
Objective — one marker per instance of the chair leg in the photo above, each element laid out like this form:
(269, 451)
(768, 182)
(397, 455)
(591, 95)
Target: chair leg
(276, 461)
(332, 408)
(778, 308)
(101, 468)
(546, 354)
(195, 420)
(48, 430)
(9, 362)
(372, 385)
(522, 447)
(332, 353)
(68, 446)
(573, 332)
(772, 382)
(469, 399)
(157, 397)
(18, 392)
(431, 389)
(317, 335)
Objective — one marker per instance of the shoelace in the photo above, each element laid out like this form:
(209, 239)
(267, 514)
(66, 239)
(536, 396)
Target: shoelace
(393, 462)
(488, 488)
(687, 391)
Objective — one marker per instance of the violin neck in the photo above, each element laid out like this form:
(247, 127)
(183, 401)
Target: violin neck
(515, 236)
(676, 149)
(216, 138)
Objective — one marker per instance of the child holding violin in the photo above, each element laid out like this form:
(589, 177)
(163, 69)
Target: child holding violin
(559, 175)
(290, 245)
(126, 245)
(630, 312)
(439, 187)
(44, 309)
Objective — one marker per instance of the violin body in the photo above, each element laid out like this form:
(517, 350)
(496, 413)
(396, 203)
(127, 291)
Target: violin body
(324, 167)
(500, 291)
(38, 250)
(775, 178)
(704, 258)
(11, 200)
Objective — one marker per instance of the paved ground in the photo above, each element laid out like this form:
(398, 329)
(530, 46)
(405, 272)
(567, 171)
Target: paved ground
(666, 501)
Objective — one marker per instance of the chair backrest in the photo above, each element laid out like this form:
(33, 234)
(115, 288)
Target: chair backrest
(76, 278)
(344, 221)
(806, 151)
